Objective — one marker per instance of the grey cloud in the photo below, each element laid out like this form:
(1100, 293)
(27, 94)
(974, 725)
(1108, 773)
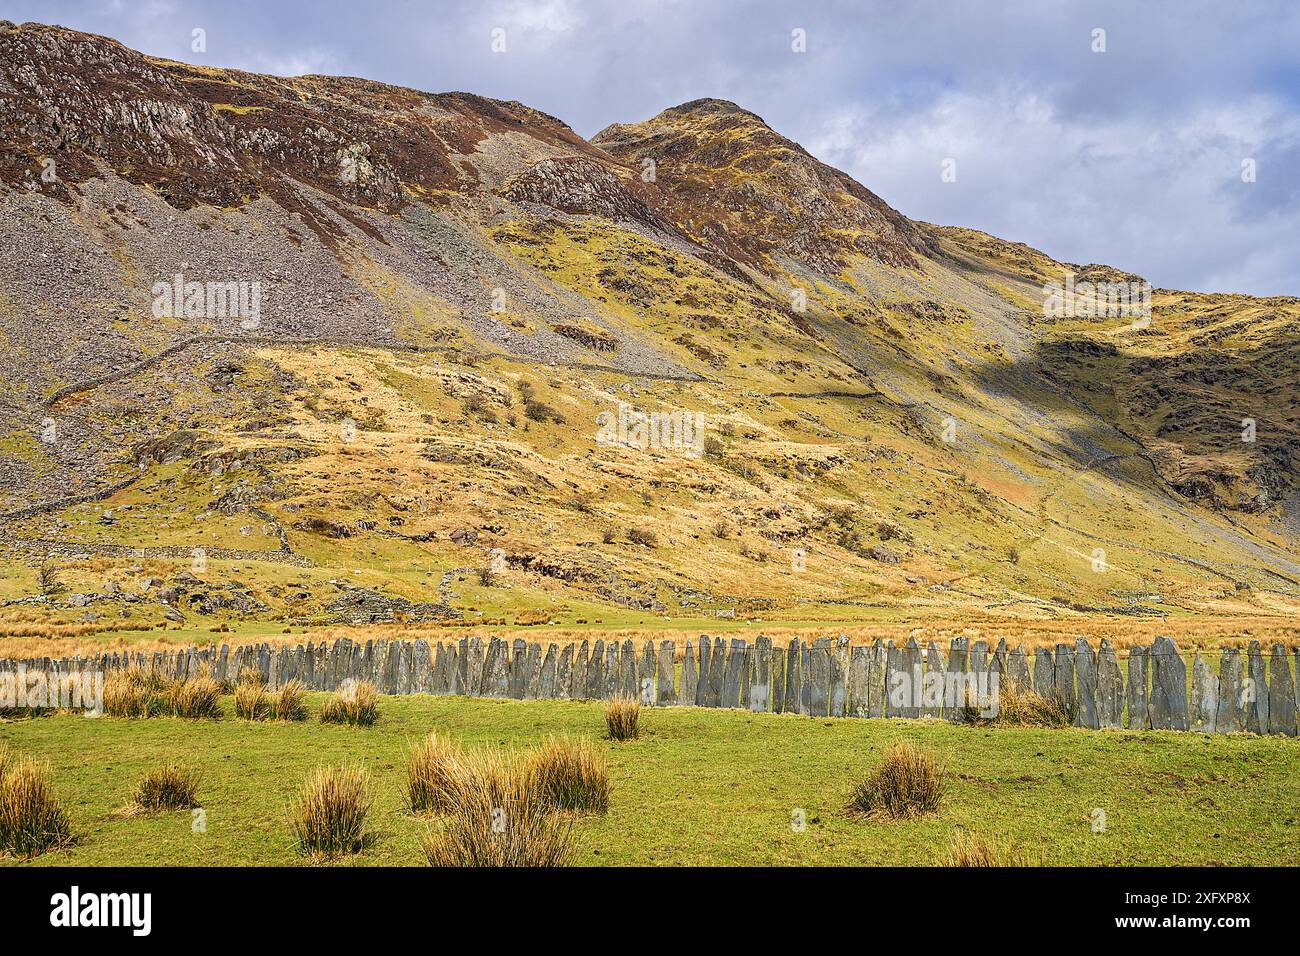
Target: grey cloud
(1130, 157)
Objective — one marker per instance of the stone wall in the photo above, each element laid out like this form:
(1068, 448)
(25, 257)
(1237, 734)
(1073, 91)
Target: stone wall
(1254, 692)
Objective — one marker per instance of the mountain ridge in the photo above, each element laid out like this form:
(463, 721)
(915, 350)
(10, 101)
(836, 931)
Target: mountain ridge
(454, 289)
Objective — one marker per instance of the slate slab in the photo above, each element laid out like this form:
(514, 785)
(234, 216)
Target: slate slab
(760, 688)
(1204, 705)
(1110, 688)
(578, 677)
(702, 686)
(666, 677)
(819, 703)
(933, 681)
(564, 672)
(793, 692)
(1168, 704)
(1044, 673)
(778, 680)
(1137, 695)
(1281, 694)
(858, 671)
(1085, 679)
(596, 672)
(1230, 712)
(732, 675)
(545, 687)
(839, 677)
(1256, 691)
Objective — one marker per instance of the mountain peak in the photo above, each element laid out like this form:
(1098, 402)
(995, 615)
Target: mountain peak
(764, 194)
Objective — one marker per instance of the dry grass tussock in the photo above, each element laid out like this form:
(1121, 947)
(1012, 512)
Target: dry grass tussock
(356, 704)
(166, 787)
(977, 849)
(329, 815)
(496, 816)
(909, 783)
(32, 818)
(622, 718)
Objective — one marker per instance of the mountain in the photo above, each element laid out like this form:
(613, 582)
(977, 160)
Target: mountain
(351, 351)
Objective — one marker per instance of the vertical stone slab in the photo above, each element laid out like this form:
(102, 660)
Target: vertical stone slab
(1064, 673)
(440, 682)
(956, 689)
(1256, 695)
(876, 679)
(933, 682)
(646, 672)
(596, 672)
(1230, 714)
(564, 672)
(776, 699)
(914, 658)
(1205, 696)
(1168, 705)
(1085, 678)
(717, 672)
(1000, 664)
(819, 704)
(500, 673)
(309, 676)
(533, 671)
(612, 672)
(793, 692)
(464, 678)
(391, 666)
(545, 689)
(896, 677)
(578, 679)
(666, 671)
(1110, 688)
(760, 688)
(474, 666)
(406, 668)
(340, 660)
(839, 690)
(629, 684)
(731, 676)
(702, 688)
(1137, 699)
(1281, 694)
(396, 655)
(421, 667)
(454, 654)
(978, 664)
(223, 665)
(806, 672)
(689, 687)
(858, 671)
(518, 668)
(1044, 673)
(746, 676)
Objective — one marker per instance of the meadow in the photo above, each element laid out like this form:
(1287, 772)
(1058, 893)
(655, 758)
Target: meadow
(698, 787)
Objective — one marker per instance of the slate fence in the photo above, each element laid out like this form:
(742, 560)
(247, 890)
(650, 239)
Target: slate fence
(1254, 692)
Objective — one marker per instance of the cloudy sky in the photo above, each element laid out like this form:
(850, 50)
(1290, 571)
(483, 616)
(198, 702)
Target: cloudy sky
(1132, 156)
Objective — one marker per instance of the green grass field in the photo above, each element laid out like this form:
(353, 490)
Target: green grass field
(699, 787)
